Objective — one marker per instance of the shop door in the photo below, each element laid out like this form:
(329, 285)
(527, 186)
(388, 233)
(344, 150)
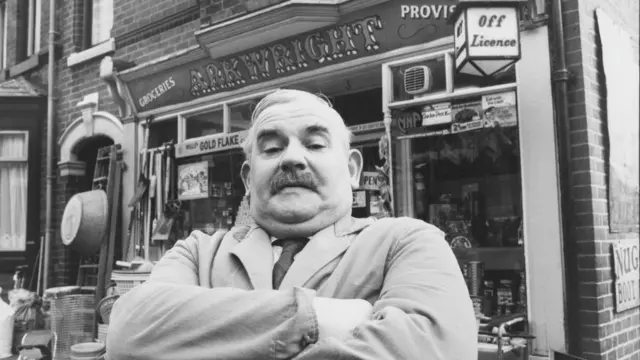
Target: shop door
(366, 200)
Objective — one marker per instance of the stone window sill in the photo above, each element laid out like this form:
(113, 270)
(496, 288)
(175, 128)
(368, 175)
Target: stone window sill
(33, 62)
(94, 52)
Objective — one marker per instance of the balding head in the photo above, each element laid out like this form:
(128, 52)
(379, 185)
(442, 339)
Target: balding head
(305, 101)
(299, 170)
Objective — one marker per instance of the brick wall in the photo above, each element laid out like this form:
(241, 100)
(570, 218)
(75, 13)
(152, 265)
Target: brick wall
(215, 11)
(600, 333)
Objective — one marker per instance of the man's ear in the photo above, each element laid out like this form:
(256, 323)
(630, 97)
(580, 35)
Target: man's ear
(355, 167)
(244, 174)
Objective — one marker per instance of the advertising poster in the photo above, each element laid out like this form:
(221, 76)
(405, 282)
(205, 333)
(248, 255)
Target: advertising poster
(370, 180)
(486, 111)
(359, 199)
(622, 118)
(193, 181)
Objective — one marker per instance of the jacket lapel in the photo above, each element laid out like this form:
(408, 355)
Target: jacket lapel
(256, 255)
(322, 248)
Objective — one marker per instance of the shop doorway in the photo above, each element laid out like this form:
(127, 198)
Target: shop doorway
(357, 108)
(86, 151)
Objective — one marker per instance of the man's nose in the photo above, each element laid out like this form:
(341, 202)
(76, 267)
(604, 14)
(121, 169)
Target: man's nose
(293, 157)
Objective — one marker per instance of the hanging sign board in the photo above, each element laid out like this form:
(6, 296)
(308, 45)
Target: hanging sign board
(209, 144)
(626, 260)
(486, 37)
(369, 181)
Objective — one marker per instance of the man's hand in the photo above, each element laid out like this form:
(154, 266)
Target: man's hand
(338, 317)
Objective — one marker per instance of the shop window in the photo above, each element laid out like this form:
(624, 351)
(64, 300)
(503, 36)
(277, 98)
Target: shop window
(204, 124)
(427, 77)
(163, 131)
(360, 107)
(467, 181)
(462, 81)
(211, 191)
(13, 190)
(240, 115)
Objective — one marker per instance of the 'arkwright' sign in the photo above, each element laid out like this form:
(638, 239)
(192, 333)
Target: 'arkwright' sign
(626, 259)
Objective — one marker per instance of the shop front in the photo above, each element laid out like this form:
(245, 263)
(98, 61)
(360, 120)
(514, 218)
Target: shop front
(475, 156)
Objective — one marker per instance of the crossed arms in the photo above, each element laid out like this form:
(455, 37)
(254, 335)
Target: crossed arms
(423, 312)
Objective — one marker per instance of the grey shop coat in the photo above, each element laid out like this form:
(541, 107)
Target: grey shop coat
(210, 297)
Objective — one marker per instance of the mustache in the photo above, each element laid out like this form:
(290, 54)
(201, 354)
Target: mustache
(285, 179)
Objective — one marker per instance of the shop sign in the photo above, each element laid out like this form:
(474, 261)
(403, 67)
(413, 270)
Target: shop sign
(209, 144)
(372, 126)
(370, 180)
(436, 114)
(626, 259)
(359, 199)
(378, 29)
(407, 120)
(486, 36)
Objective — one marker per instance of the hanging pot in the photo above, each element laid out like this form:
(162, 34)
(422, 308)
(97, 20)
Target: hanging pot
(84, 222)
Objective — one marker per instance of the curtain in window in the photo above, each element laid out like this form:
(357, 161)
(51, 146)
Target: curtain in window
(13, 192)
(102, 21)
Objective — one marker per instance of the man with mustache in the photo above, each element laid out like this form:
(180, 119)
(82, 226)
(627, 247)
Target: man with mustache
(306, 281)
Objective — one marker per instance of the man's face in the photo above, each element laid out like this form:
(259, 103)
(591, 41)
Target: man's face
(301, 172)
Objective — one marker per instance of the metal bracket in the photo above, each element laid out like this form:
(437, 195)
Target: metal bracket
(561, 75)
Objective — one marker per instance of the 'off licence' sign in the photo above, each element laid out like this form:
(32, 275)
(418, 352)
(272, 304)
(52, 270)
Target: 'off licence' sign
(626, 259)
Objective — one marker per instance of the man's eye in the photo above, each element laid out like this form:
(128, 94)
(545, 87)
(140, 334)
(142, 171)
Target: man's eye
(271, 150)
(316, 146)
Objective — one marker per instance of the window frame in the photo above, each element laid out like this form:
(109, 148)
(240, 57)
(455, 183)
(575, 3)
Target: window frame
(88, 12)
(34, 23)
(3, 34)
(19, 160)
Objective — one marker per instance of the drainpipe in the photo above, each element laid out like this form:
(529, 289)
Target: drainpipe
(560, 78)
(50, 123)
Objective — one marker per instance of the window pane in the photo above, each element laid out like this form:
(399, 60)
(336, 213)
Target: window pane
(162, 131)
(13, 146)
(240, 115)
(13, 206)
(467, 182)
(102, 21)
(361, 107)
(3, 39)
(204, 124)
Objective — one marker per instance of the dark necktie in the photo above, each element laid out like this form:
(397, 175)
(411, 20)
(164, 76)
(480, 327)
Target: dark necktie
(290, 247)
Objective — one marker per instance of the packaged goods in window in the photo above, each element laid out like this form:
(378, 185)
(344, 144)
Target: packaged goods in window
(522, 294)
(489, 297)
(359, 199)
(504, 296)
(478, 304)
(475, 270)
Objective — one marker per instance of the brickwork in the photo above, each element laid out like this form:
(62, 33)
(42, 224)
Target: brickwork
(604, 334)
(215, 11)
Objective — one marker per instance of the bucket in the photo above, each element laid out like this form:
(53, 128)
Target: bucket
(6, 328)
(84, 221)
(87, 351)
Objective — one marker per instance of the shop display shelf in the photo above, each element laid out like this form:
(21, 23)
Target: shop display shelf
(494, 258)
